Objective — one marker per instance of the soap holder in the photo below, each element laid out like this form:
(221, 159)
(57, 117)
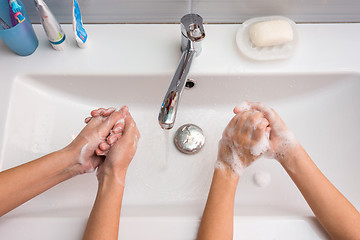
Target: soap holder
(265, 53)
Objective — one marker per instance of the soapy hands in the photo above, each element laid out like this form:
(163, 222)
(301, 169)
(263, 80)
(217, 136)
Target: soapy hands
(282, 142)
(243, 141)
(101, 137)
(83, 147)
(120, 145)
(115, 132)
(256, 130)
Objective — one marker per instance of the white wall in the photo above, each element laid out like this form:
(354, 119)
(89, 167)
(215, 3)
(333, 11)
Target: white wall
(213, 11)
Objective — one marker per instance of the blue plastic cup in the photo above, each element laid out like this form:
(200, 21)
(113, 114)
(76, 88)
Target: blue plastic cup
(21, 39)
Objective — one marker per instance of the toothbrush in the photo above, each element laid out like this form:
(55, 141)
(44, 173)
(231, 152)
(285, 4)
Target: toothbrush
(15, 6)
(19, 17)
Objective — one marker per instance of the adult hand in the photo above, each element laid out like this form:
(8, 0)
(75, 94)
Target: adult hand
(121, 152)
(86, 144)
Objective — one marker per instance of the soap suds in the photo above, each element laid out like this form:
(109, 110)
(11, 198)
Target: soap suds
(121, 121)
(244, 106)
(231, 160)
(86, 151)
(262, 179)
(285, 139)
(262, 146)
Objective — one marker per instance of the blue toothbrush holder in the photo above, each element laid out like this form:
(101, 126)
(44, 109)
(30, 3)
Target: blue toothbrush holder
(21, 38)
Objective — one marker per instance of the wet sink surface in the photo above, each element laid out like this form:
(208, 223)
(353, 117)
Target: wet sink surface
(323, 110)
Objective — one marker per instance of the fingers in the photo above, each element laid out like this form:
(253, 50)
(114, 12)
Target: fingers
(100, 152)
(118, 128)
(260, 129)
(130, 131)
(250, 122)
(110, 128)
(232, 124)
(123, 150)
(244, 106)
(100, 112)
(114, 119)
(104, 146)
(268, 112)
(88, 119)
(236, 122)
(130, 135)
(112, 138)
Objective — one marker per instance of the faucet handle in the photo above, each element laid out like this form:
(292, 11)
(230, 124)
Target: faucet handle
(192, 27)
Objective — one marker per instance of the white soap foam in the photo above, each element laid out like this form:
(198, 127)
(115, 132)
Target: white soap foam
(233, 161)
(85, 151)
(262, 146)
(121, 120)
(244, 106)
(262, 179)
(285, 138)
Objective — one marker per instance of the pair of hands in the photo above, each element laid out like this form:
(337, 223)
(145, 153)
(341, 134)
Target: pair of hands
(254, 124)
(108, 143)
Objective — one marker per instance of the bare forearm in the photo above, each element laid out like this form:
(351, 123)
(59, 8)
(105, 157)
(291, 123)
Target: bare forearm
(217, 219)
(336, 214)
(20, 184)
(104, 219)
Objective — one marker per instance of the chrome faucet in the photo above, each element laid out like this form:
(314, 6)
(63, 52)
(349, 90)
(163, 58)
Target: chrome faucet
(192, 32)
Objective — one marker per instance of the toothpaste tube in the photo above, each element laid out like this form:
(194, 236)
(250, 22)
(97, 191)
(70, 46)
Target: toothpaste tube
(51, 26)
(79, 31)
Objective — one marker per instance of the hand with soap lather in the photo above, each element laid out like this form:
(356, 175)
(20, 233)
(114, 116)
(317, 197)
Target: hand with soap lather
(243, 141)
(119, 147)
(84, 154)
(336, 214)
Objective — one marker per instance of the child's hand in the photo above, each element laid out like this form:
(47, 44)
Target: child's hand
(243, 141)
(282, 141)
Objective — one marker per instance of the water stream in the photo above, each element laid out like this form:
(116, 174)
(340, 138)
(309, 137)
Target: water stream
(165, 161)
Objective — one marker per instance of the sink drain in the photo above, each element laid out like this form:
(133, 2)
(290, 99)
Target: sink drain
(190, 83)
(189, 139)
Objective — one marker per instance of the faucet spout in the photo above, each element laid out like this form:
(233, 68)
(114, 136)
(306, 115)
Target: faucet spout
(192, 33)
(170, 104)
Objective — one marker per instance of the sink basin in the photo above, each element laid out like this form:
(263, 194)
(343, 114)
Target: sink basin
(166, 189)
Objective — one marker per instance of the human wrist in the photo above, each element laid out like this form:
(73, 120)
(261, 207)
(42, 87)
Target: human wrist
(225, 181)
(70, 156)
(111, 173)
(225, 171)
(293, 157)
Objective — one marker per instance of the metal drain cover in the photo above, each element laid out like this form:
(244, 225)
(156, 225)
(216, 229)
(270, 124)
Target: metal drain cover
(189, 139)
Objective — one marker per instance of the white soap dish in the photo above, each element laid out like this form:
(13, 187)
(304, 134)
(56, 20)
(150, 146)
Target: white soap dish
(274, 52)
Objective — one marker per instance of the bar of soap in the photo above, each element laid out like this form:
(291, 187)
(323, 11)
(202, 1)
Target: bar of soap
(271, 33)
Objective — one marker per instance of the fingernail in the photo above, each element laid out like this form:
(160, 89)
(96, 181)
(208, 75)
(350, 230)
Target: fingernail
(111, 140)
(120, 121)
(109, 110)
(88, 119)
(117, 130)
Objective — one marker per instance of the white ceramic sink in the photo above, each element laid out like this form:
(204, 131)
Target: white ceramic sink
(165, 188)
